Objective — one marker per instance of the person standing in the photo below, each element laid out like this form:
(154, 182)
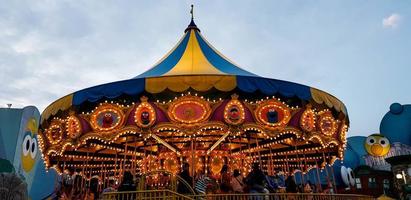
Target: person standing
(307, 187)
(201, 183)
(225, 185)
(290, 185)
(256, 180)
(110, 187)
(237, 183)
(128, 185)
(185, 175)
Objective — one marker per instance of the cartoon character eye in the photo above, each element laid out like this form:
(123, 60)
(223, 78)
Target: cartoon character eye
(351, 177)
(26, 145)
(384, 142)
(33, 149)
(370, 140)
(345, 176)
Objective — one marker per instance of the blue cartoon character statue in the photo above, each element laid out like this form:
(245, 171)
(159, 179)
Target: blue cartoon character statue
(394, 138)
(396, 124)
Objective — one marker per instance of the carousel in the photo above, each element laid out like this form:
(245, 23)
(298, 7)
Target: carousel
(194, 106)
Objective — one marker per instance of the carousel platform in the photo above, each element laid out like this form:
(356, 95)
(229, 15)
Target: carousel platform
(168, 194)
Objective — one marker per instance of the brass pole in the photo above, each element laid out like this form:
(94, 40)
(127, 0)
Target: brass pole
(271, 161)
(151, 153)
(241, 151)
(258, 153)
(326, 170)
(286, 162)
(85, 162)
(102, 174)
(249, 150)
(115, 174)
(89, 180)
(335, 185)
(192, 160)
(228, 158)
(305, 166)
(125, 155)
(299, 165)
(333, 177)
(134, 157)
(144, 151)
(318, 178)
(100, 186)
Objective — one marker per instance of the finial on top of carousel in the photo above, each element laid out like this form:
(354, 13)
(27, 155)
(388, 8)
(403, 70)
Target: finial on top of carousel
(192, 12)
(192, 25)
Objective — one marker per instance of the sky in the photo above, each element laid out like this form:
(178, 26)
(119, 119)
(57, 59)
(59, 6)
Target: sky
(358, 51)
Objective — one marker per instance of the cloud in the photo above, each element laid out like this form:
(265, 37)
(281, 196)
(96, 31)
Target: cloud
(391, 21)
(48, 50)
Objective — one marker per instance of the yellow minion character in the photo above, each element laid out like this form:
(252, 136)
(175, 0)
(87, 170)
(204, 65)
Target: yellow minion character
(377, 145)
(29, 146)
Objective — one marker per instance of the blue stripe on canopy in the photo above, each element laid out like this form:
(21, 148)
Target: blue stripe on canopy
(169, 62)
(273, 86)
(247, 84)
(109, 90)
(219, 62)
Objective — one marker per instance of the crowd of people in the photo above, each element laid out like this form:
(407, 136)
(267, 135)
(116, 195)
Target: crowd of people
(75, 190)
(255, 182)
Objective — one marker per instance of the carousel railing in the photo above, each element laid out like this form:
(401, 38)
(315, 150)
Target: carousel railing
(168, 194)
(281, 196)
(146, 194)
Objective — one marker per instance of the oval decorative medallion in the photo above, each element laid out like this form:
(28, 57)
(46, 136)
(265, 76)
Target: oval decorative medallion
(234, 111)
(55, 131)
(307, 120)
(327, 123)
(171, 165)
(189, 110)
(149, 163)
(169, 161)
(73, 127)
(145, 115)
(274, 114)
(216, 164)
(106, 118)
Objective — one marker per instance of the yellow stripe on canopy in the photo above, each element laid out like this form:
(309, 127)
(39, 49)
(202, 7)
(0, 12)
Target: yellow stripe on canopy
(182, 83)
(193, 60)
(323, 97)
(61, 104)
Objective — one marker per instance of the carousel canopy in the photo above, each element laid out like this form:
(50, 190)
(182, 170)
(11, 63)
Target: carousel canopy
(194, 63)
(194, 105)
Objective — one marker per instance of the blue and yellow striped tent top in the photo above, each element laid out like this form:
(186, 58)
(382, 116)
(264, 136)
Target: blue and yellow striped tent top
(194, 55)
(194, 63)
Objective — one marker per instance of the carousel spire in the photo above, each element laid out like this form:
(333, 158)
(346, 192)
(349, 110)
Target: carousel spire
(192, 25)
(192, 12)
